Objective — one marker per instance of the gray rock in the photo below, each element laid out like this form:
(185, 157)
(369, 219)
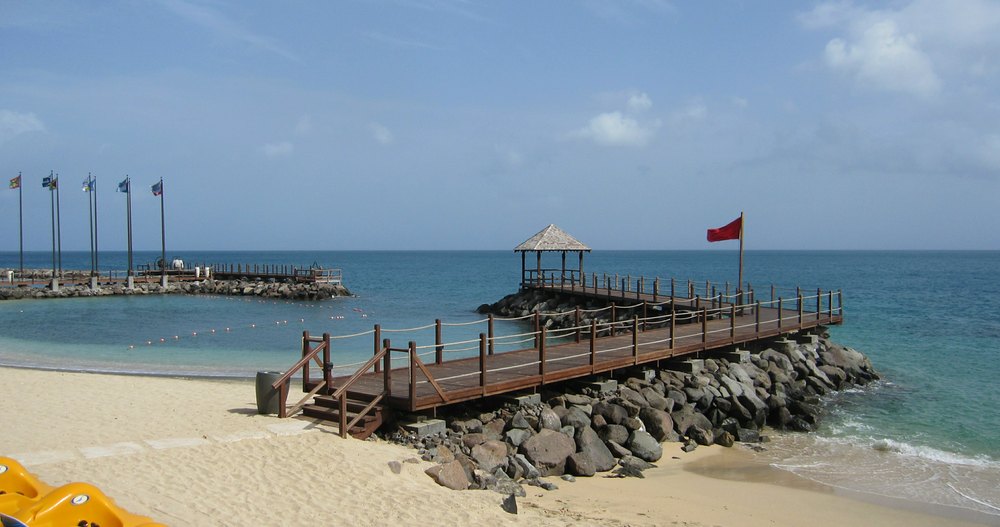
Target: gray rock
(443, 455)
(580, 464)
(576, 418)
(616, 433)
(516, 436)
(396, 467)
(568, 477)
(468, 426)
(658, 423)
(588, 442)
(677, 396)
(548, 451)
(490, 455)
(686, 416)
(747, 435)
(612, 413)
(471, 440)
(633, 397)
(618, 450)
(529, 470)
(578, 399)
(549, 420)
(656, 400)
(644, 446)
(724, 438)
(509, 504)
(450, 475)
(519, 421)
(701, 436)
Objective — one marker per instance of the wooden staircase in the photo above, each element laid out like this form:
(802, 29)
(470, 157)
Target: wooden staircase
(327, 408)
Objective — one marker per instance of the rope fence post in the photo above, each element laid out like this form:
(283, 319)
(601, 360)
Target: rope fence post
(538, 326)
(673, 324)
(614, 318)
(576, 322)
(756, 314)
(704, 325)
(656, 289)
(635, 339)
(800, 310)
(829, 304)
(438, 348)
(541, 354)
(412, 348)
(819, 303)
(779, 313)
(645, 315)
(593, 345)
(489, 332)
(327, 364)
(387, 370)
(482, 362)
(732, 322)
(375, 342)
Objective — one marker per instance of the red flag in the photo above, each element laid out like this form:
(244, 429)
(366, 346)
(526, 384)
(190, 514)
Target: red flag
(732, 231)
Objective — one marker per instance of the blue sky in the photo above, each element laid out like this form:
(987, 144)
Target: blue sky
(436, 124)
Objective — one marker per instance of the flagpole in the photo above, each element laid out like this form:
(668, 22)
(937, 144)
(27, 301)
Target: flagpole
(90, 221)
(97, 252)
(128, 202)
(59, 225)
(52, 211)
(740, 286)
(163, 239)
(20, 219)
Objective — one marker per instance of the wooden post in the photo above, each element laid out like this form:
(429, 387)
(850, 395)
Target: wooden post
(645, 315)
(673, 293)
(541, 354)
(523, 271)
(482, 362)
(840, 302)
(697, 302)
(412, 348)
(756, 314)
(673, 324)
(438, 348)
(819, 303)
(376, 340)
(327, 365)
(635, 340)
(732, 321)
(800, 310)
(829, 304)
(704, 325)
(690, 289)
(538, 326)
(387, 369)
(713, 298)
(489, 329)
(656, 289)
(614, 318)
(305, 367)
(593, 345)
(343, 416)
(779, 313)
(577, 323)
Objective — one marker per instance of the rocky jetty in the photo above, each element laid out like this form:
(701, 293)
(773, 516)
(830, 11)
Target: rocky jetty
(548, 303)
(581, 428)
(265, 289)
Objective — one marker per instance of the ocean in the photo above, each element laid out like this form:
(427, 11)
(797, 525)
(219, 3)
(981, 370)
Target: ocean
(928, 433)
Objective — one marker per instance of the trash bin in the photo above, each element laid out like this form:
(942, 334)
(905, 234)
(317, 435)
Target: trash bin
(268, 401)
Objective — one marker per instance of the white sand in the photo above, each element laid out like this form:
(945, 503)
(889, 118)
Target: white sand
(194, 452)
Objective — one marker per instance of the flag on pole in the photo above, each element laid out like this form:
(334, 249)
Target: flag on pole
(123, 186)
(158, 188)
(732, 231)
(15, 182)
(50, 182)
(88, 184)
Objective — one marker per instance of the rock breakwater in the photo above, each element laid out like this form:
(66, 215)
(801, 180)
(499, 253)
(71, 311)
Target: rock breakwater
(288, 291)
(620, 423)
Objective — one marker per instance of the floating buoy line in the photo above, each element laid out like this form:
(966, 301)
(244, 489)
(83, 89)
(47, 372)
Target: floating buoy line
(228, 330)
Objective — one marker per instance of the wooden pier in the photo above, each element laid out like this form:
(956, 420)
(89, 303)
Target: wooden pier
(648, 328)
(149, 274)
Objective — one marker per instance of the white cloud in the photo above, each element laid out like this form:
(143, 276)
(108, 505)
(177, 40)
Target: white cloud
(639, 102)
(884, 58)
(13, 124)
(615, 129)
(279, 149)
(381, 134)
(221, 25)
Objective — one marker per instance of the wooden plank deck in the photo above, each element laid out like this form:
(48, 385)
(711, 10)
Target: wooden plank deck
(714, 328)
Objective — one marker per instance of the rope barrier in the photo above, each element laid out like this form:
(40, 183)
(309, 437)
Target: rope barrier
(421, 328)
(456, 324)
(363, 333)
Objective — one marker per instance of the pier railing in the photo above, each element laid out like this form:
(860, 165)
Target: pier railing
(658, 330)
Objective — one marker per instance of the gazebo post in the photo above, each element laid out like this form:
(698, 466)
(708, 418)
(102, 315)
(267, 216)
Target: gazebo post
(581, 265)
(562, 275)
(523, 277)
(538, 269)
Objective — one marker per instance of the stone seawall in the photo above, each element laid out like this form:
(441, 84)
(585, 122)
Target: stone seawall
(287, 291)
(618, 423)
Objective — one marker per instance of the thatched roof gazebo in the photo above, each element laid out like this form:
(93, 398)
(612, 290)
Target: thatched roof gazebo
(550, 239)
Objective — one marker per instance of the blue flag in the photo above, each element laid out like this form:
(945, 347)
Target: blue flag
(49, 182)
(123, 186)
(158, 188)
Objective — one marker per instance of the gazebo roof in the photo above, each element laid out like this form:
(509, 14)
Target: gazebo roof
(551, 238)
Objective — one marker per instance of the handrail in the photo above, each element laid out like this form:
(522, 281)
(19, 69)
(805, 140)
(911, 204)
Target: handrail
(357, 375)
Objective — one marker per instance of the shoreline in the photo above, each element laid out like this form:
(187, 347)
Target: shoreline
(167, 446)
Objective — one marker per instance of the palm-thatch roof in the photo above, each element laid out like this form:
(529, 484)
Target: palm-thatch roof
(551, 238)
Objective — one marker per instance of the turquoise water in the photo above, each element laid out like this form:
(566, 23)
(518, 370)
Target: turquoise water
(929, 321)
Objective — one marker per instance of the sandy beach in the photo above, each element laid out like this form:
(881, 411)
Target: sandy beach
(195, 452)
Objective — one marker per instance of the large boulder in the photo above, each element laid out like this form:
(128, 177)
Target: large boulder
(644, 446)
(588, 442)
(686, 416)
(616, 433)
(612, 413)
(490, 455)
(548, 451)
(656, 400)
(549, 419)
(580, 464)
(576, 418)
(450, 475)
(658, 423)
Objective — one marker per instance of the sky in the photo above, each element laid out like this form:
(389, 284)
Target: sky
(464, 124)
